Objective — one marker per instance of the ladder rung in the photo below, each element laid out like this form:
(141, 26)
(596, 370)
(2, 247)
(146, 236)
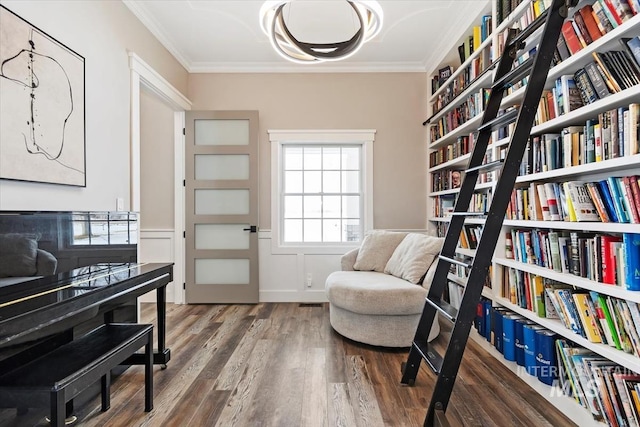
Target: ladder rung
(531, 28)
(467, 213)
(500, 121)
(521, 71)
(430, 355)
(486, 166)
(449, 311)
(454, 261)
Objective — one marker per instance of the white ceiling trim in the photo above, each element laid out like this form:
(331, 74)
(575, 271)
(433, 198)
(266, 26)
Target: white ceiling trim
(154, 28)
(269, 67)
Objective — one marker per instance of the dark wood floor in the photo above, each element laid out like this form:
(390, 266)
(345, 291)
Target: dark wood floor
(283, 365)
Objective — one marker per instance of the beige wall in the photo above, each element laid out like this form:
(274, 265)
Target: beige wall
(103, 32)
(392, 103)
(156, 163)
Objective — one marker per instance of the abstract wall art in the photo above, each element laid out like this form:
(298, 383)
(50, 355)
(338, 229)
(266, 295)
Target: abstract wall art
(42, 106)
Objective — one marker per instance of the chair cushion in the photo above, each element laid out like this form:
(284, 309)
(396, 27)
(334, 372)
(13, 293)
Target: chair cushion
(376, 249)
(368, 292)
(413, 257)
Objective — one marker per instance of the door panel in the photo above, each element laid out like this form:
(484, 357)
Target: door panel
(222, 207)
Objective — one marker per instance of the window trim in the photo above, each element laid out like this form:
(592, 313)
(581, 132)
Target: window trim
(278, 138)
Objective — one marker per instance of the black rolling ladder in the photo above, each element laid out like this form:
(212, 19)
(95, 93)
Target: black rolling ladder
(535, 69)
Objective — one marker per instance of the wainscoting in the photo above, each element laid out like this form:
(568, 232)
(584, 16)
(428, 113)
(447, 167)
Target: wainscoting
(159, 246)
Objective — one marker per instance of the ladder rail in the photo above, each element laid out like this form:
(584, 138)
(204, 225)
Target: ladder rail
(536, 69)
(455, 225)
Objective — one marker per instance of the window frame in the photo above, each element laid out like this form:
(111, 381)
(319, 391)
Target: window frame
(279, 138)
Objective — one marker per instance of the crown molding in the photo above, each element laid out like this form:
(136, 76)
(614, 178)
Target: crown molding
(285, 67)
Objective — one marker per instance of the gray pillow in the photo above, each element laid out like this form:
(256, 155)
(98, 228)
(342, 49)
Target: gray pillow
(18, 254)
(376, 249)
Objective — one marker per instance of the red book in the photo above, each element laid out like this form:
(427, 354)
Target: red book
(635, 190)
(613, 11)
(589, 21)
(626, 182)
(609, 259)
(570, 37)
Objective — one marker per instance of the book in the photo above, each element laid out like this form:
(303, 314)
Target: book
(620, 380)
(589, 320)
(582, 28)
(609, 11)
(587, 91)
(587, 14)
(605, 192)
(618, 203)
(570, 37)
(606, 72)
(597, 80)
(608, 259)
(597, 201)
(627, 196)
(546, 362)
(606, 323)
(634, 47)
(582, 204)
(604, 25)
(631, 243)
(552, 202)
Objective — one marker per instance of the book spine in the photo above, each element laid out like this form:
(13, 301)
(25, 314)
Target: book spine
(632, 260)
(546, 361)
(508, 336)
(529, 338)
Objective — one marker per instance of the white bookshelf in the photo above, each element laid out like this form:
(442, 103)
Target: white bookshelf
(621, 166)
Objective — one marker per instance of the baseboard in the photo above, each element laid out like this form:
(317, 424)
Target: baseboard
(293, 296)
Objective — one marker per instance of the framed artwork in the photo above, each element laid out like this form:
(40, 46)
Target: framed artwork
(42, 106)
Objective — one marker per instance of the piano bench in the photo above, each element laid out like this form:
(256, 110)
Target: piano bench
(58, 376)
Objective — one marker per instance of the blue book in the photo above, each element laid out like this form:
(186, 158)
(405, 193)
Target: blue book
(546, 362)
(508, 336)
(487, 319)
(498, 314)
(634, 46)
(529, 334)
(631, 243)
(616, 195)
(608, 200)
(519, 339)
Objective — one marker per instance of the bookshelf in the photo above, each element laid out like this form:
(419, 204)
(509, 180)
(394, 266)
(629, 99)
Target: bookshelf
(626, 165)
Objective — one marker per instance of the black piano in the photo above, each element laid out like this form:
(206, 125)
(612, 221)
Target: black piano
(96, 280)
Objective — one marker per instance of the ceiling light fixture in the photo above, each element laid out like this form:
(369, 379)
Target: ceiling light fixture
(369, 15)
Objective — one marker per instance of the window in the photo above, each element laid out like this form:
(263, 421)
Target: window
(322, 187)
(104, 228)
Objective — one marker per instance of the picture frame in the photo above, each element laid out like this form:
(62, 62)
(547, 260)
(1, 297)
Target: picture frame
(42, 106)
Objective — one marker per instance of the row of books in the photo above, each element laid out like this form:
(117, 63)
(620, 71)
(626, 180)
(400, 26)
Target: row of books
(615, 199)
(447, 179)
(471, 107)
(479, 34)
(614, 133)
(609, 391)
(604, 258)
(599, 318)
(519, 340)
(505, 7)
(463, 145)
(470, 236)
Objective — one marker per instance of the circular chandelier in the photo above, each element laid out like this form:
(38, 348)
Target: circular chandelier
(369, 14)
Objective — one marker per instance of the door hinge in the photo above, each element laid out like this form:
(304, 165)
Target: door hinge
(184, 132)
(184, 286)
(184, 234)
(184, 182)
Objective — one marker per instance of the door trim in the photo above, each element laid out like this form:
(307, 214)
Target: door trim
(144, 76)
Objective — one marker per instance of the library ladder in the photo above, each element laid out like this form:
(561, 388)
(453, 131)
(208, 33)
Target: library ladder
(535, 69)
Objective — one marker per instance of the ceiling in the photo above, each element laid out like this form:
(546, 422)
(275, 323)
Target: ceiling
(225, 35)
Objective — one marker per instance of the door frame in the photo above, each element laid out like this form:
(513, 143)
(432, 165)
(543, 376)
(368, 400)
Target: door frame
(144, 76)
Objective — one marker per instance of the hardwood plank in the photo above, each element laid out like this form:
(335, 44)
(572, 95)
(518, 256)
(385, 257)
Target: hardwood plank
(340, 410)
(238, 406)
(363, 399)
(314, 395)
